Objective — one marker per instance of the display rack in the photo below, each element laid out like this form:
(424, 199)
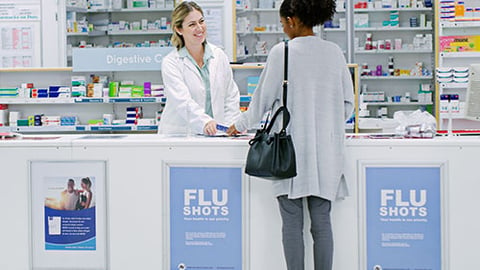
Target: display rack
(455, 57)
(411, 71)
(83, 108)
(257, 30)
(99, 31)
(243, 71)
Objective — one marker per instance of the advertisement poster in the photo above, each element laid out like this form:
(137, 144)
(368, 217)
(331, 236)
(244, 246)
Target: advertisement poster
(68, 214)
(205, 218)
(403, 220)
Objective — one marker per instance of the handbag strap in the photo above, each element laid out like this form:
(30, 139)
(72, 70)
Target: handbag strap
(285, 75)
(283, 108)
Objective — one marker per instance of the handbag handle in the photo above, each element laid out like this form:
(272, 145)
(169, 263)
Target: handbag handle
(283, 108)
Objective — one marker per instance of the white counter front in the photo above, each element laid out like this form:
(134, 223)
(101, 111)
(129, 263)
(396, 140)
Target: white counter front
(134, 203)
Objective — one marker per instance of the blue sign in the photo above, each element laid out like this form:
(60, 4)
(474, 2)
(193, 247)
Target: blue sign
(118, 59)
(205, 218)
(403, 221)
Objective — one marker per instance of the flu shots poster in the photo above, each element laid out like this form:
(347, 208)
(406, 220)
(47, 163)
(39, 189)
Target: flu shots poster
(68, 214)
(205, 218)
(403, 218)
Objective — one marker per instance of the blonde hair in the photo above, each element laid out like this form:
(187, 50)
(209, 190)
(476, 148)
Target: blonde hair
(178, 16)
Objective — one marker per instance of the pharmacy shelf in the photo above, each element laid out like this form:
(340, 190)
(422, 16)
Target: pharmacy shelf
(454, 85)
(76, 9)
(257, 65)
(129, 10)
(393, 51)
(360, 10)
(90, 34)
(82, 100)
(334, 29)
(139, 32)
(265, 9)
(260, 54)
(398, 103)
(460, 24)
(77, 34)
(78, 128)
(460, 54)
(378, 29)
(122, 10)
(396, 77)
(444, 116)
(260, 33)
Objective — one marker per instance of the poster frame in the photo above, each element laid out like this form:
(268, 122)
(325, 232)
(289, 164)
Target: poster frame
(362, 166)
(102, 214)
(245, 204)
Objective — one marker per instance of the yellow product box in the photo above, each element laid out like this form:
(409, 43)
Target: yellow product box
(460, 44)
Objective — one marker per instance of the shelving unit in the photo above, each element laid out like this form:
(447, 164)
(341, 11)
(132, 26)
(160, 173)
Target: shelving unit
(84, 108)
(335, 31)
(99, 31)
(406, 56)
(241, 73)
(254, 25)
(456, 58)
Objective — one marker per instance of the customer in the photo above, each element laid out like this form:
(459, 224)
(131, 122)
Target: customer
(320, 99)
(198, 80)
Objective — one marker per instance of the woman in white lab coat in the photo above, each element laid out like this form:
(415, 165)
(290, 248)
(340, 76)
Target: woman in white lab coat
(199, 85)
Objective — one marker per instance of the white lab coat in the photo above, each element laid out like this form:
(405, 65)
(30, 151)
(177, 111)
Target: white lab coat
(320, 99)
(185, 93)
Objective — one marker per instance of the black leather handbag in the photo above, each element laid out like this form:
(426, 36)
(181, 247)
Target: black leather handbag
(272, 156)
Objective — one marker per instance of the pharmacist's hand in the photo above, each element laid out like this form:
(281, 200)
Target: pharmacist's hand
(232, 130)
(210, 128)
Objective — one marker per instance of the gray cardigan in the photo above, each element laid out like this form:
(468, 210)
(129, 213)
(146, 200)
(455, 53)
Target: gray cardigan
(320, 99)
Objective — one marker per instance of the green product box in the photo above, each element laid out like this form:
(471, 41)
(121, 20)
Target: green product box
(137, 91)
(113, 89)
(95, 121)
(22, 122)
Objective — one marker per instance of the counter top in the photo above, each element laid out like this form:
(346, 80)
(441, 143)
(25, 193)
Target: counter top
(163, 140)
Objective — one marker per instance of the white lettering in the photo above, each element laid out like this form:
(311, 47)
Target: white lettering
(188, 195)
(215, 199)
(386, 195)
(158, 58)
(423, 198)
(125, 60)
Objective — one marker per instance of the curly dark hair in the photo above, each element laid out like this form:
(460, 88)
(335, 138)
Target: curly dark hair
(310, 12)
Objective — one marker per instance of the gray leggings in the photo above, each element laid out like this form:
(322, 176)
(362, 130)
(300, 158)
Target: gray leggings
(292, 231)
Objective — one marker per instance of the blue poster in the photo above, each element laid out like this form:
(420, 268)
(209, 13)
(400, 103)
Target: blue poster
(403, 220)
(70, 221)
(205, 218)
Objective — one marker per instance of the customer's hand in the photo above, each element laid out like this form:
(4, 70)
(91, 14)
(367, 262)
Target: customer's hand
(210, 128)
(232, 130)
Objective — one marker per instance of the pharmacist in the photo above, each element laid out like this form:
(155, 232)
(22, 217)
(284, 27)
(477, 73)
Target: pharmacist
(198, 80)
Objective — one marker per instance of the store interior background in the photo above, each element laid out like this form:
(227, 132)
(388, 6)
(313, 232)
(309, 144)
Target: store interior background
(137, 239)
(405, 59)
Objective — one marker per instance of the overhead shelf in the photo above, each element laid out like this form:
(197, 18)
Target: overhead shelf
(398, 103)
(81, 100)
(78, 128)
(460, 24)
(393, 29)
(393, 51)
(396, 77)
(139, 32)
(359, 10)
(459, 54)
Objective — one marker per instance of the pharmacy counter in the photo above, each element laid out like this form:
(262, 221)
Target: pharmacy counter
(161, 201)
